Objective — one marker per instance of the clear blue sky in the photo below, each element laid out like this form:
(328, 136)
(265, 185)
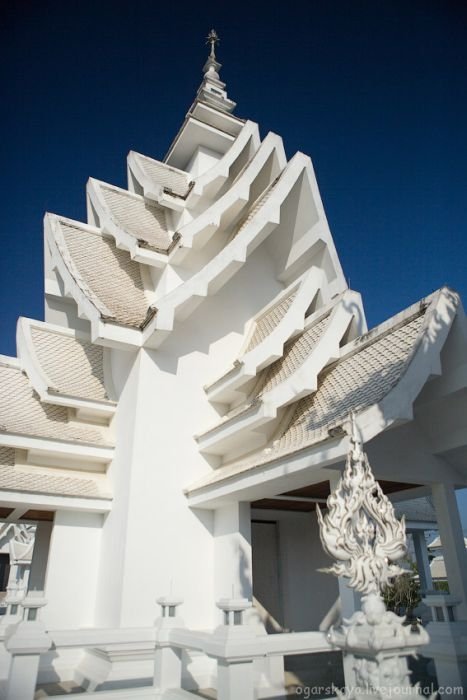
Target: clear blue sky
(375, 92)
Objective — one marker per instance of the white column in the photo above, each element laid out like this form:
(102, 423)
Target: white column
(423, 562)
(232, 533)
(452, 540)
(40, 556)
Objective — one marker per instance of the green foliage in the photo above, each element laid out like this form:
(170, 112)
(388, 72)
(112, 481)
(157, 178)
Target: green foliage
(402, 595)
(441, 586)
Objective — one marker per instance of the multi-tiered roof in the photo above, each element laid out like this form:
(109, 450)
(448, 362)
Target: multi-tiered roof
(147, 257)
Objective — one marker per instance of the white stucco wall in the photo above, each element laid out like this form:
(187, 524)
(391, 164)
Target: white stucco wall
(72, 570)
(152, 542)
(202, 159)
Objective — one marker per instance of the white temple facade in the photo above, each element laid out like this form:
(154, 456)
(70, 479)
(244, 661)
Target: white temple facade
(172, 424)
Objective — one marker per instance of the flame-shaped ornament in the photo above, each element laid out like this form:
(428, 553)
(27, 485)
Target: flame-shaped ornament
(360, 530)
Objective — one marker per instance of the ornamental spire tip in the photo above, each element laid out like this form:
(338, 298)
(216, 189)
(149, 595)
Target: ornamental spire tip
(212, 66)
(213, 39)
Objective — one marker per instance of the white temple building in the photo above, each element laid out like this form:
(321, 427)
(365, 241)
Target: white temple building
(172, 424)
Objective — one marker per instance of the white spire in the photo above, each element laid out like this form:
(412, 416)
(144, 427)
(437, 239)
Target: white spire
(212, 90)
(211, 67)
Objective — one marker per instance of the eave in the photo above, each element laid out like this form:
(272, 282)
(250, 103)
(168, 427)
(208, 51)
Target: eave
(184, 299)
(224, 211)
(105, 330)
(48, 393)
(49, 502)
(209, 183)
(139, 251)
(239, 432)
(228, 388)
(61, 452)
(274, 472)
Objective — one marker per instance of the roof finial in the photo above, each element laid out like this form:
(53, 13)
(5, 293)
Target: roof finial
(212, 90)
(213, 39)
(211, 67)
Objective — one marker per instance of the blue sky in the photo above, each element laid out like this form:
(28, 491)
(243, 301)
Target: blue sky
(375, 92)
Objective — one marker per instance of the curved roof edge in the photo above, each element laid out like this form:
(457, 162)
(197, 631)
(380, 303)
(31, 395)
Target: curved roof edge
(184, 298)
(151, 241)
(323, 331)
(105, 327)
(224, 210)
(51, 391)
(160, 182)
(210, 182)
(270, 347)
(439, 311)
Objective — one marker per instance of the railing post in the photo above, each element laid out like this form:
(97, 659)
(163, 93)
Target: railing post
(167, 660)
(26, 641)
(235, 680)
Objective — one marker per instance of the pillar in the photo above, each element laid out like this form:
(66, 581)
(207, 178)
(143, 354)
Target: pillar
(232, 566)
(423, 562)
(452, 540)
(447, 638)
(40, 556)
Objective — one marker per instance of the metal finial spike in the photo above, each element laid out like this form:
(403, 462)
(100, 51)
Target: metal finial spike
(213, 39)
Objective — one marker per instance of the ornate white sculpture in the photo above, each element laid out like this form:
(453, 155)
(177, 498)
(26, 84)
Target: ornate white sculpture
(360, 529)
(361, 532)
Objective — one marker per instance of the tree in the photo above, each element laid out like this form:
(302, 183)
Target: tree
(402, 595)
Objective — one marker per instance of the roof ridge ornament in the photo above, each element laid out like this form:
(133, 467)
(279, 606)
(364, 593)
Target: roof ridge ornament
(212, 66)
(212, 90)
(213, 39)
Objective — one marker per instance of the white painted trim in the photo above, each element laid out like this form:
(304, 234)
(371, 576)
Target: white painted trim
(251, 482)
(42, 384)
(200, 230)
(89, 306)
(183, 299)
(153, 191)
(220, 171)
(17, 499)
(302, 382)
(84, 451)
(111, 226)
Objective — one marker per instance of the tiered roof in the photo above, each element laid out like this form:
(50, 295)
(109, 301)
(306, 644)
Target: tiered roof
(74, 366)
(154, 175)
(369, 370)
(146, 258)
(107, 276)
(29, 480)
(22, 413)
